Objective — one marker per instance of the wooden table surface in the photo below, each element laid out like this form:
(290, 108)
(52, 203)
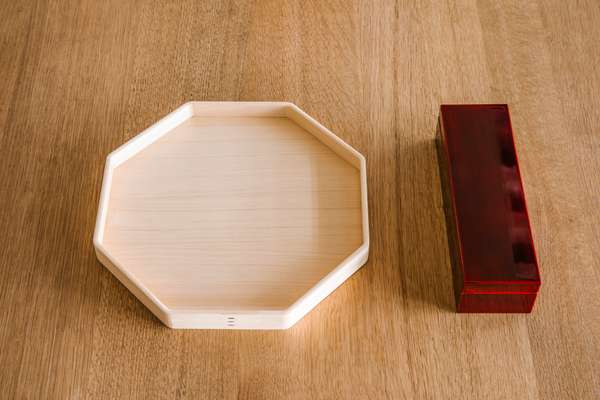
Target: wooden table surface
(78, 78)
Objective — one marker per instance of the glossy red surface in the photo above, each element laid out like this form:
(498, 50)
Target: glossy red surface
(493, 257)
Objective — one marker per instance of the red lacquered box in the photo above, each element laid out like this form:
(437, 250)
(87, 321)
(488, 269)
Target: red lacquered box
(493, 258)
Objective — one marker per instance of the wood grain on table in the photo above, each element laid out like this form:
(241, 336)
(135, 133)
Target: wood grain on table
(78, 78)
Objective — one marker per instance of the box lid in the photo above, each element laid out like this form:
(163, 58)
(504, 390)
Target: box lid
(493, 230)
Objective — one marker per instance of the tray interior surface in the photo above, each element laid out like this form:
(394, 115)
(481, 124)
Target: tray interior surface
(233, 213)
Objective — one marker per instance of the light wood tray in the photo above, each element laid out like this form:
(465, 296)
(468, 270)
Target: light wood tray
(233, 215)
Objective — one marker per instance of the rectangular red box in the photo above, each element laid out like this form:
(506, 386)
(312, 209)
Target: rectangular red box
(494, 264)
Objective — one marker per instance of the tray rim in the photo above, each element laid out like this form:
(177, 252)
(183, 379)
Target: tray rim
(198, 318)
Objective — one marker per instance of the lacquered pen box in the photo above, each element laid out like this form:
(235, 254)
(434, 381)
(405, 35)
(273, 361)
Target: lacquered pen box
(494, 261)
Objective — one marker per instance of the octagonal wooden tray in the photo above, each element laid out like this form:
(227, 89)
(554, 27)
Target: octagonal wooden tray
(233, 215)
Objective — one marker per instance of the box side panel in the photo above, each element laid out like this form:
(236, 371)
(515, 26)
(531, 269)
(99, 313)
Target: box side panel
(451, 228)
(496, 303)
